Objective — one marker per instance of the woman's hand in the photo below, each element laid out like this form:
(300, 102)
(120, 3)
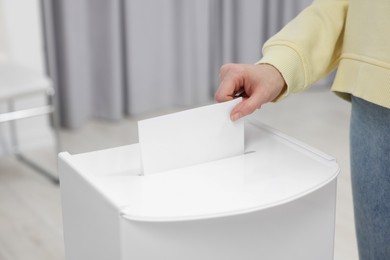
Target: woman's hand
(257, 84)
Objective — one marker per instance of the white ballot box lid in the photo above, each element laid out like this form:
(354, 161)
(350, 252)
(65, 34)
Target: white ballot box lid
(274, 169)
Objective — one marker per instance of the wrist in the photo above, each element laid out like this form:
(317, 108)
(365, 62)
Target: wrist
(277, 80)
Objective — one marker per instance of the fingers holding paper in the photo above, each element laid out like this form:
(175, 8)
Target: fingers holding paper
(257, 84)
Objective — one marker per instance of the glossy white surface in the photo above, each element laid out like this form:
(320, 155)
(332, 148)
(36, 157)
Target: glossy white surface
(277, 201)
(189, 137)
(273, 171)
(259, 179)
(302, 229)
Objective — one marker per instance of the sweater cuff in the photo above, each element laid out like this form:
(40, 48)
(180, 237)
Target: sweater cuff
(290, 65)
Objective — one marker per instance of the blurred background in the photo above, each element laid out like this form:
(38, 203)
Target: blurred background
(113, 62)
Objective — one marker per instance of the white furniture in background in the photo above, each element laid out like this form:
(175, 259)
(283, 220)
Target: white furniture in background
(276, 201)
(18, 82)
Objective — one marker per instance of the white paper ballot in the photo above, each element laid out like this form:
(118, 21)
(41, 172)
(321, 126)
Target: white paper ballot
(190, 137)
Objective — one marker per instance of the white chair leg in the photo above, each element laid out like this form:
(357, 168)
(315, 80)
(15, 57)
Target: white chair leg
(55, 122)
(13, 130)
(19, 155)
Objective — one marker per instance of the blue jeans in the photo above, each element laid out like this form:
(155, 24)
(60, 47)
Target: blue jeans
(370, 166)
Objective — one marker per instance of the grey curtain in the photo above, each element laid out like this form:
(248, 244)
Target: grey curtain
(112, 58)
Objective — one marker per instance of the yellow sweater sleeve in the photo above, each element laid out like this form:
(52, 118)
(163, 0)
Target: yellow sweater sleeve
(309, 46)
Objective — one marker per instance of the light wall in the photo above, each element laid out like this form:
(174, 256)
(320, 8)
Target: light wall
(22, 26)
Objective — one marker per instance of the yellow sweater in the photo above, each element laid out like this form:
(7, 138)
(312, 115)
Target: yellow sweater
(353, 35)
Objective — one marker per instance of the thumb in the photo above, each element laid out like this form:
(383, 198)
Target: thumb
(245, 107)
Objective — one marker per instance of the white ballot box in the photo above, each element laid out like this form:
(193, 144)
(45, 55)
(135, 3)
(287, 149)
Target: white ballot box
(274, 202)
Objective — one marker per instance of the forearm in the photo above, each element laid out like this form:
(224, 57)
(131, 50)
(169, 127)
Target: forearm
(308, 47)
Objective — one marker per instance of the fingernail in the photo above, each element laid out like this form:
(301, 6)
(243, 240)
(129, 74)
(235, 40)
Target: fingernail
(236, 116)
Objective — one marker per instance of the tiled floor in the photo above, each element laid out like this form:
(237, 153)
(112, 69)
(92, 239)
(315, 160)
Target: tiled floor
(30, 210)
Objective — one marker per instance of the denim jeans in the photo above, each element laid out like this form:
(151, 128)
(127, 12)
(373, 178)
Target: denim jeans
(370, 166)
